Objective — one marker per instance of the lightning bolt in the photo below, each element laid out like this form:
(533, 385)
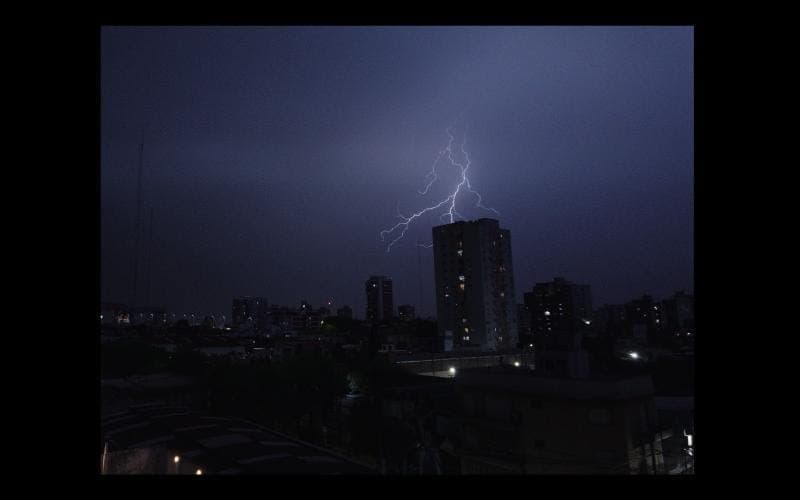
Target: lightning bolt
(399, 229)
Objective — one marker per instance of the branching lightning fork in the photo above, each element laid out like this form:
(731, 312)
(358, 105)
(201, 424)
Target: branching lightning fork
(399, 229)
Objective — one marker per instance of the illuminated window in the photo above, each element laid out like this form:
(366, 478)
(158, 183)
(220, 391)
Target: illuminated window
(461, 286)
(466, 329)
(461, 278)
(547, 313)
(460, 253)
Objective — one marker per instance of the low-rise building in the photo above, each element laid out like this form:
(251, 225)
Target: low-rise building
(515, 421)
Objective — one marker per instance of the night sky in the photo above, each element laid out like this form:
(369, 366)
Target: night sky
(275, 156)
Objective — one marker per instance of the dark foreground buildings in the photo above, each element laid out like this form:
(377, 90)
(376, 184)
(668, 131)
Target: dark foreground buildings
(560, 313)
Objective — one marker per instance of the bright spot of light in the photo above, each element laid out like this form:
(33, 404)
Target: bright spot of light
(176, 459)
(634, 355)
(452, 370)
(516, 363)
(547, 313)
(199, 472)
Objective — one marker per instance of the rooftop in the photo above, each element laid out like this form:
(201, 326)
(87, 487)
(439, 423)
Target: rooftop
(523, 380)
(220, 444)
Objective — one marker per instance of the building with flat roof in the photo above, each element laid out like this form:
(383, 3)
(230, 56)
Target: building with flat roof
(561, 312)
(380, 298)
(475, 301)
(517, 421)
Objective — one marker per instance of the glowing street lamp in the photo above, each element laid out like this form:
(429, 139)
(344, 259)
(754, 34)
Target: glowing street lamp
(453, 371)
(198, 472)
(516, 363)
(633, 355)
(176, 460)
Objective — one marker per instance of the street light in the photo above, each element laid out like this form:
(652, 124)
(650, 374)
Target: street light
(453, 371)
(198, 472)
(634, 355)
(176, 460)
(516, 363)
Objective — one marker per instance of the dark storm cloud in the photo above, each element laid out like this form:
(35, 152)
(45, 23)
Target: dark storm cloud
(274, 156)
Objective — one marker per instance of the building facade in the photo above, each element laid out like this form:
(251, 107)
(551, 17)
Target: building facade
(250, 310)
(406, 312)
(475, 300)
(380, 300)
(345, 312)
(561, 313)
(644, 318)
(678, 313)
(516, 422)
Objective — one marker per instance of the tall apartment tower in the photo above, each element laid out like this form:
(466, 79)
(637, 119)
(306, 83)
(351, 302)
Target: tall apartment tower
(475, 301)
(380, 302)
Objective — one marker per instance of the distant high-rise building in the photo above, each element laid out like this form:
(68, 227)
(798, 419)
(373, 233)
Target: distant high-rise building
(524, 325)
(250, 310)
(475, 299)
(380, 301)
(345, 312)
(560, 313)
(644, 318)
(610, 320)
(406, 312)
(678, 313)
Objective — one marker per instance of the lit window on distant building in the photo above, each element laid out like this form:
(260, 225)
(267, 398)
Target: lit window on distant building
(461, 278)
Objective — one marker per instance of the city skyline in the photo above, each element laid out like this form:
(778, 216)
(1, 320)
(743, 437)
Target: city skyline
(585, 151)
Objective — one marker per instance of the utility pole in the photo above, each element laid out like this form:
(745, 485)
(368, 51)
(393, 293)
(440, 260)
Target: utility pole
(103, 462)
(653, 451)
(419, 274)
(138, 228)
(147, 290)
